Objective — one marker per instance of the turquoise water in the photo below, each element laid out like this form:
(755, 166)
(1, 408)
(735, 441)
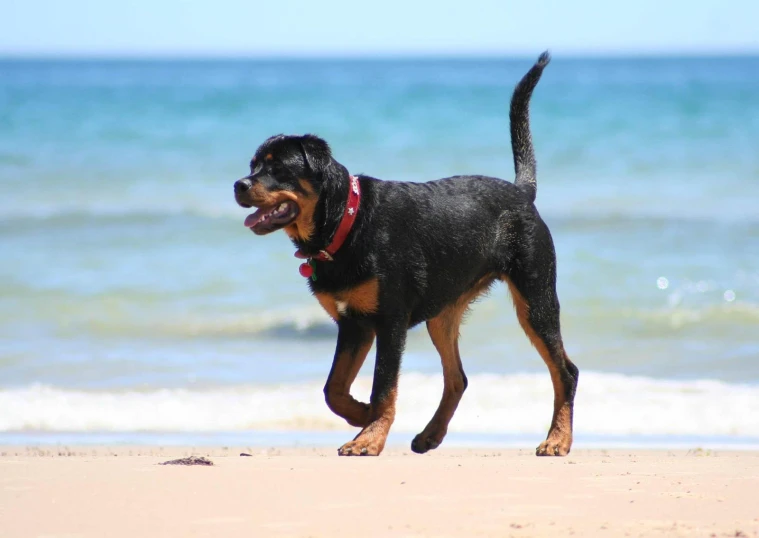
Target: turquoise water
(133, 299)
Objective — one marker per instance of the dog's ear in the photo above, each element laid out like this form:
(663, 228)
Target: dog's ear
(316, 152)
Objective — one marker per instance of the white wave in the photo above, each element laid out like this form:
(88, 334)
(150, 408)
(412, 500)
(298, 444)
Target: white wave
(607, 404)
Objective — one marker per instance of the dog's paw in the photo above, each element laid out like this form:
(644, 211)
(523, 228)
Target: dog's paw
(424, 442)
(554, 447)
(369, 442)
(359, 448)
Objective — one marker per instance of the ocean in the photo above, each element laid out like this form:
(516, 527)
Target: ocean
(136, 307)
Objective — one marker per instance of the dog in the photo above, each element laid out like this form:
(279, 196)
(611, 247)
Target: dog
(384, 256)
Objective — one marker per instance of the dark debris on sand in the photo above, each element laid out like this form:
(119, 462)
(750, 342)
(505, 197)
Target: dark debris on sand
(192, 460)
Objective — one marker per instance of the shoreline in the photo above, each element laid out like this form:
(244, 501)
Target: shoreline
(92, 491)
(321, 439)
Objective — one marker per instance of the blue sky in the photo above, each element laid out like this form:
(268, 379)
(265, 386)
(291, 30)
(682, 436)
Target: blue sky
(388, 27)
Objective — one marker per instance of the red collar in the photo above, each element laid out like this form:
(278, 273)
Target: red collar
(343, 229)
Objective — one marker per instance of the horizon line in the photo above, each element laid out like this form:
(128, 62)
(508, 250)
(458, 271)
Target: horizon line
(379, 56)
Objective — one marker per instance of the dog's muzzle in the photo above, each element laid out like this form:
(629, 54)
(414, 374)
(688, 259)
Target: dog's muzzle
(242, 186)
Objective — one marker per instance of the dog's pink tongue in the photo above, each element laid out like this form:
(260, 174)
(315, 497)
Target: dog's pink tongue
(253, 218)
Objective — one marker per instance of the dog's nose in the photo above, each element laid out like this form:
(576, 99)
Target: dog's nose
(242, 185)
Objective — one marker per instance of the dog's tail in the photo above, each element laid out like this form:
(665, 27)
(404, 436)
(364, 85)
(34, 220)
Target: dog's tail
(521, 140)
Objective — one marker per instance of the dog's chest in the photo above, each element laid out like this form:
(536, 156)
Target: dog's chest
(360, 299)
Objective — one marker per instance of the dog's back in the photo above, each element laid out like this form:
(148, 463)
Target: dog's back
(439, 238)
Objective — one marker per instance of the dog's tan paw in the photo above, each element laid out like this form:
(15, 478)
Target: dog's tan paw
(360, 448)
(369, 442)
(554, 447)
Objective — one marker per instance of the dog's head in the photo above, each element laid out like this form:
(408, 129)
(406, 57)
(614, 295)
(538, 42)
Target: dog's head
(287, 176)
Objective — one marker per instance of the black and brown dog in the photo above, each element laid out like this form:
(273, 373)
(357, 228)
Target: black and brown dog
(384, 256)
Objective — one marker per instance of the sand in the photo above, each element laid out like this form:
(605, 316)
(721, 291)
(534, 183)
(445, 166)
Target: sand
(123, 492)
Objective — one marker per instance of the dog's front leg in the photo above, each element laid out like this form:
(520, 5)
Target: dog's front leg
(391, 338)
(354, 339)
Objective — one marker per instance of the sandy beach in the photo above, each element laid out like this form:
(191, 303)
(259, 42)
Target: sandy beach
(122, 491)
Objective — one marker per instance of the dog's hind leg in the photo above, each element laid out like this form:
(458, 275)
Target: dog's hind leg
(537, 308)
(444, 331)
(354, 340)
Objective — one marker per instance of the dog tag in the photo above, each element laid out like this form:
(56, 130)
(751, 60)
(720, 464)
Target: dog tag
(306, 271)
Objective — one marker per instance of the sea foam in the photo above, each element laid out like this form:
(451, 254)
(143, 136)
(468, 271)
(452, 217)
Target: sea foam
(607, 404)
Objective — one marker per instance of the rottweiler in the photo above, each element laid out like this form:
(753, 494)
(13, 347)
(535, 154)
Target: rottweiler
(384, 256)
